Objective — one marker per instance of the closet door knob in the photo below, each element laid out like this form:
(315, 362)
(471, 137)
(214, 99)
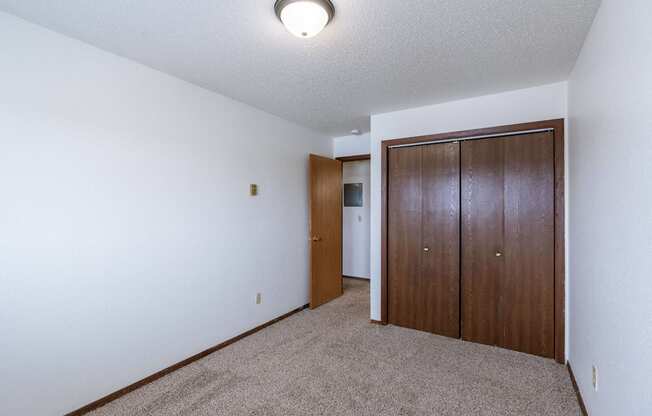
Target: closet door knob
(499, 254)
(426, 249)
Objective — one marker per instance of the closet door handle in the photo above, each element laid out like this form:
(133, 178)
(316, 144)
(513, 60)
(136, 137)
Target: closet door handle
(499, 254)
(426, 249)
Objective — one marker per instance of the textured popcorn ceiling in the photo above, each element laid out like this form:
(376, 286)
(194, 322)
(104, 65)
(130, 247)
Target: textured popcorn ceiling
(376, 56)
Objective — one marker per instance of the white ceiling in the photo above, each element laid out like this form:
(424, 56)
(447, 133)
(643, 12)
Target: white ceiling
(376, 55)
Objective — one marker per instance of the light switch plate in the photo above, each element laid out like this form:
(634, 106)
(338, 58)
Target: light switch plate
(595, 378)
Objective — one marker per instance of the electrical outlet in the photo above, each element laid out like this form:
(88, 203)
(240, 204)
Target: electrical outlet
(595, 378)
(259, 298)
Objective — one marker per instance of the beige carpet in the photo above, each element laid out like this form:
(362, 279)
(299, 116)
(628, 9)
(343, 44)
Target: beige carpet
(332, 361)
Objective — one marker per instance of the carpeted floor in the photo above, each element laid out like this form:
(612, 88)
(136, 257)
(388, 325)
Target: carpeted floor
(332, 361)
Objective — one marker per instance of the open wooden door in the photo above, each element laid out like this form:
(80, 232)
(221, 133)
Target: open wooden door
(325, 230)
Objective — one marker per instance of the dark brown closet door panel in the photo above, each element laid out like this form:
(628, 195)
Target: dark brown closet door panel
(482, 239)
(404, 236)
(440, 277)
(527, 285)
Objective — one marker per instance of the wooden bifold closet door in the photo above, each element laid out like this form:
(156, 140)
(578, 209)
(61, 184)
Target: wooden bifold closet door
(423, 238)
(508, 242)
(471, 240)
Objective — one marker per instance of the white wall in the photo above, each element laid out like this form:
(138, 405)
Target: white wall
(355, 223)
(351, 145)
(532, 104)
(610, 108)
(129, 240)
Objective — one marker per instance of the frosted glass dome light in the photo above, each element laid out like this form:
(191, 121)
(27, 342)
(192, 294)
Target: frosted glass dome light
(304, 18)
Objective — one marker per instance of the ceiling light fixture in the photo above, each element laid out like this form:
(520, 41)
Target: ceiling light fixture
(304, 18)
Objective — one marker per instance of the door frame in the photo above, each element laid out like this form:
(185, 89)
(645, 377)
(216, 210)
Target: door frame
(557, 127)
(354, 158)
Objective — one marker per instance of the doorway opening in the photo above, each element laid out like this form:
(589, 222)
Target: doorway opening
(356, 226)
(339, 225)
